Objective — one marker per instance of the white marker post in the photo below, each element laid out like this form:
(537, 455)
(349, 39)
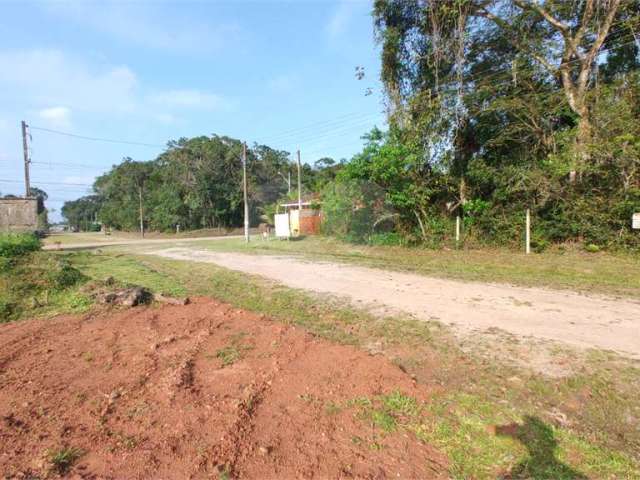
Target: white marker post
(457, 230)
(528, 233)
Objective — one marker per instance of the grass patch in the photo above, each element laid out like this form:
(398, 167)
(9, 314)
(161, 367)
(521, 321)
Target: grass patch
(14, 245)
(39, 284)
(62, 460)
(234, 351)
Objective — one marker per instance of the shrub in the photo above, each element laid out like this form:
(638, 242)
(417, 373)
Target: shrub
(6, 310)
(17, 244)
(387, 238)
(64, 276)
(592, 248)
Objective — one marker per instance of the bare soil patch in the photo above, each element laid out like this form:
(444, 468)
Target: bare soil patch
(196, 391)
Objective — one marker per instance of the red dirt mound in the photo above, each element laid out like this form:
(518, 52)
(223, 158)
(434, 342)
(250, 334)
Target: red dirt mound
(196, 391)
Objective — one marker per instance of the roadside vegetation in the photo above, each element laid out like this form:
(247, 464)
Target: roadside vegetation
(488, 417)
(35, 283)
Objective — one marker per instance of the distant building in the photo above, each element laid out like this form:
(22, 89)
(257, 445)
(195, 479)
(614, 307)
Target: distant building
(18, 214)
(304, 222)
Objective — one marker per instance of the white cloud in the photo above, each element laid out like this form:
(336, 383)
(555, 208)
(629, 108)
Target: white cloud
(53, 84)
(165, 26)
(195, 99)
(59, 117)
(44, 77)
(340, 19)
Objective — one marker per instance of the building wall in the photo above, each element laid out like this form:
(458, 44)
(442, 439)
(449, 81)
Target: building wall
(310, 225)
(18, 214)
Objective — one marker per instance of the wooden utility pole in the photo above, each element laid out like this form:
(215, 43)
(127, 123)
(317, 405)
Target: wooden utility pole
(25, 148)
(246, 202)
(141, 211)
(299, 189)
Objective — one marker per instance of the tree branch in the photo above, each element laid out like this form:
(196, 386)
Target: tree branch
(505, 26)
(534, 7)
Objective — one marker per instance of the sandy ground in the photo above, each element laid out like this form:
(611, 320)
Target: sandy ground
(145, 394)
(584, 321)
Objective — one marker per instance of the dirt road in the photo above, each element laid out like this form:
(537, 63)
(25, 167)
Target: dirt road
(579, 320)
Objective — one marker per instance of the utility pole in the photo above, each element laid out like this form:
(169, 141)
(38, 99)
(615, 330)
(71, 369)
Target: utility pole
(246, 202)
(25, 148)
(141, 211)
(527, 240)
(299, 189)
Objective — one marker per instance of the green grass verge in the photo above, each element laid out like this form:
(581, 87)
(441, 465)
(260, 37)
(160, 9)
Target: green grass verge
(472, 396)
(39, 284)
(616, 274)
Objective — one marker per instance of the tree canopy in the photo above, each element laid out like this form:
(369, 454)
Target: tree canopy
(194, 183)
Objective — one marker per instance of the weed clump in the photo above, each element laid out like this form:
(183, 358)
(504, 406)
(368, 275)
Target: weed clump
(62, 460)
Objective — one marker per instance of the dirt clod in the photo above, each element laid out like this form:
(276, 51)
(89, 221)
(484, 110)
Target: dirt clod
(127, 297)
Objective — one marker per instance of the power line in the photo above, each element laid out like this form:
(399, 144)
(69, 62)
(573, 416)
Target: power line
(97, 139)
(49, 183)
(328, 123)
(78, 165)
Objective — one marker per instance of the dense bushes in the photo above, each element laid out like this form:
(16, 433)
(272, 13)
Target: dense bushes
(392, 185)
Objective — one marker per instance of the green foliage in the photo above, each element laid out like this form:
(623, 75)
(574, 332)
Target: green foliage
(63, 459)
(592, 248)
(17, 244)
(38, 283)
(80, 214)
(348, 211)
(196, 183)
(481, 128)
(387, 238)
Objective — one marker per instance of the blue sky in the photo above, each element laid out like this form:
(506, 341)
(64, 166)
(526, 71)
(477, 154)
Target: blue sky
(275, 72)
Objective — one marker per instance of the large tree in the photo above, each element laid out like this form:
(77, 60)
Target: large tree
(430, 49)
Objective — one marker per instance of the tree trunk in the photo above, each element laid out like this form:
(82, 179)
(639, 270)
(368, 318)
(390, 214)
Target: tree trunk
(583, 140)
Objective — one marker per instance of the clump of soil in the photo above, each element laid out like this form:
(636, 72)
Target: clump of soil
(196, 391)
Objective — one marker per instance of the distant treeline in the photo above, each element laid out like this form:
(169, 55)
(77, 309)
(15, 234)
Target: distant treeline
(195, 183)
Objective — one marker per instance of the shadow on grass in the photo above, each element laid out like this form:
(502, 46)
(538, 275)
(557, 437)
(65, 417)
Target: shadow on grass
(540, 441)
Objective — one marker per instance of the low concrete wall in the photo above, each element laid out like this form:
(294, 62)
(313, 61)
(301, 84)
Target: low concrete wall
(18, 214)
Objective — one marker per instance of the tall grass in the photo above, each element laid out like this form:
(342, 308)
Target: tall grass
(17, 244)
